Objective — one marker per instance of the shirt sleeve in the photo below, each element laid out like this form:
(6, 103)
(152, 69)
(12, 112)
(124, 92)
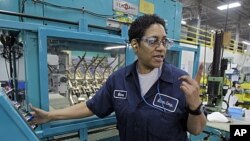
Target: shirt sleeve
(101, 104)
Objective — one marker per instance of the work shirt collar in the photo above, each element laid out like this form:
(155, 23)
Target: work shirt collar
(166, 75)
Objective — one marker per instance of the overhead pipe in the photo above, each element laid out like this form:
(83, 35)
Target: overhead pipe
(36, 17)
(55, 20)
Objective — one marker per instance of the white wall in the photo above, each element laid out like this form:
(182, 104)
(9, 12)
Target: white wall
(240, 59)
(187, 58)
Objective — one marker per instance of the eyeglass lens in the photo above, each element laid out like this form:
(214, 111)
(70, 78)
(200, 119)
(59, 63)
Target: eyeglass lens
(154, 41)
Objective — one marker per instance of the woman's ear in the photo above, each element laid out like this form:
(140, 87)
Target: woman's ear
(134, 45)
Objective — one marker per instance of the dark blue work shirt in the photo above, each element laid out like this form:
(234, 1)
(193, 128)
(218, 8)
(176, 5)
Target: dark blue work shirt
(137, 120)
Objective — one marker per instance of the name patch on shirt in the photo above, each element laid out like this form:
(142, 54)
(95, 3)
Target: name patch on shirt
(120, 94)
(165, 102)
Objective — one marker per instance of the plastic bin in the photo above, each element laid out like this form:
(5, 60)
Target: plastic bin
(236, 112)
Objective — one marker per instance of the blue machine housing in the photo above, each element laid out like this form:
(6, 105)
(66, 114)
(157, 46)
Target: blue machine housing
(80, 20)
(95, 12)
(12, 122)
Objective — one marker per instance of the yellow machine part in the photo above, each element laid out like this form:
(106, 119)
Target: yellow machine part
(244, 98)
(245, 86)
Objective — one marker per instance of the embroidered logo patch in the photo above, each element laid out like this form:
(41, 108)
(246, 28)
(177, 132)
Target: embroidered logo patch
(120, 94)
(165, 102)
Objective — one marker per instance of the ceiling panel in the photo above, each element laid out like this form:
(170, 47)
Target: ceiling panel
(214, 19)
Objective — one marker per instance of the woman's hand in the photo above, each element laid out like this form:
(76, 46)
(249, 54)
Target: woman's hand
(40, 116)
(191, 88)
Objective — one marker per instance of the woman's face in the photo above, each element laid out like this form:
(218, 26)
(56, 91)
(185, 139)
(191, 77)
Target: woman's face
(151, 49)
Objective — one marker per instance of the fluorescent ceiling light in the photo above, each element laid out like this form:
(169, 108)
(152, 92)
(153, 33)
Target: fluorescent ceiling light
(245, 42)
(231, 5)
(212, 31)
(183, 22)
(114, 47)
(249, 24)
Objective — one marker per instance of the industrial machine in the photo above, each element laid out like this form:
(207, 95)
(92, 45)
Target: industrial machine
(212, 134)
(77, 77)
(214, 91)
(69, 49)
(16, 118)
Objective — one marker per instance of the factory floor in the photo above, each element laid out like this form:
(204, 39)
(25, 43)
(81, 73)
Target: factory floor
(108, 133)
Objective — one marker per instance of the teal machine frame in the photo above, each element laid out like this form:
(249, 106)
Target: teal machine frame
(11, 119)
(53, 128)
(36, 75)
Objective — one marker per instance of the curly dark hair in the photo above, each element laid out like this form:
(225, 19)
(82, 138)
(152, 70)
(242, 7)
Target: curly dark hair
(141, 24)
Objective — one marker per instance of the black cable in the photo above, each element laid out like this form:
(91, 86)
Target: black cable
(72, 8)
(7, 71)
(77, 65)
(225, 28)
(210, 67)
(57, 6)
(204, 69)
(118, 65)
(22, 8)
(100, 61)
(55, 20)
(106, 68)
(6, 51)
(227, 103)
(94, 59)
(36, 17)
(229, 97)
(98, 15)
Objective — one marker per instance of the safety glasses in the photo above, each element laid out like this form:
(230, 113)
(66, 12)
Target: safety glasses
(156, 42)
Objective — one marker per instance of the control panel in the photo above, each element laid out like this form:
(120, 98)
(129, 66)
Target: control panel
(15, 120)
